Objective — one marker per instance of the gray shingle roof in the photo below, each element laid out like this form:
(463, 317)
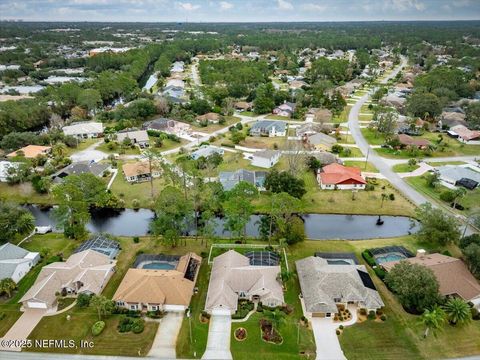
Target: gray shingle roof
(10, 251)
(81, 167)
(324, 285)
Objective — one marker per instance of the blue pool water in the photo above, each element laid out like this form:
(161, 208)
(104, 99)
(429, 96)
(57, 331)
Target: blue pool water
(390, 257)
(158, 265)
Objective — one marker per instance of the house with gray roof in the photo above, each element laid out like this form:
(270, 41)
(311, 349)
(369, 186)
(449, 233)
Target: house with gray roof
(16, 262)
(450, 175)
(229, 179)
(325, 285)
(139, 137)
(81, 167)
(268, 128)
(206, 151)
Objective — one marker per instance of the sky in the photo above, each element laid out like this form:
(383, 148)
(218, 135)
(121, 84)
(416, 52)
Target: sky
(238, 10)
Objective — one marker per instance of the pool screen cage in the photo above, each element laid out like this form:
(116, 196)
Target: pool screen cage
(263, 258)
(151, 257)
(391, 249)
(101, 244)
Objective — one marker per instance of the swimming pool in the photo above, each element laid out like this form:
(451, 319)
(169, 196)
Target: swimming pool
(157, 265)
(380, 259)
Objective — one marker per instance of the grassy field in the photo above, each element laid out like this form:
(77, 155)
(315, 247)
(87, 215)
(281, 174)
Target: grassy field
(340, 201)
(469, 201)
(361, 164)
(78, 328)
(343, 117)
(277, 117)
(402, 168)
(117, 149)
(82, 145)
(229, 120)
(372, 137)
(23, 194)
(354, 152)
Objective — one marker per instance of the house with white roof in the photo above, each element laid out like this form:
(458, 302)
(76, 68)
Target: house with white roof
(206, 151)
(234, 277)
(266, 158)
(16, 262)
(84, 272)
(84, 130)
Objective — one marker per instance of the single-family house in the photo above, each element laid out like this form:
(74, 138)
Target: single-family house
(177, 66)
(408, 141)
(449, 119)
(266, 158)
(31, 151)
(4, 169)
(454, 174)
(326, 286)
(211, 118)
(321, 141)
(318, 115)
(336, 176)
(138, 137)
(297, 84)
(453, 276)
(206, 151)
(286, 109)
(234, 277)
(168, 126)
(242, 106)
(229, 179)
(159, 283)
(16, 262)
(309, 128)
(84, 130)
(174, 94)
(140, 171)
(84, 272)
(270, 128)
(81, 167)
(465, 135)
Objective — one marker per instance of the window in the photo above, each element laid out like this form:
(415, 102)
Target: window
(120, 303)
(133, 307)
(154, 307)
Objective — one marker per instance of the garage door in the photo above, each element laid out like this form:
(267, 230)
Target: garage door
(36, 305)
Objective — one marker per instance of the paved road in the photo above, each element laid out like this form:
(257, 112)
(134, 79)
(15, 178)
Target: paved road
(379, 162)
(218, 343)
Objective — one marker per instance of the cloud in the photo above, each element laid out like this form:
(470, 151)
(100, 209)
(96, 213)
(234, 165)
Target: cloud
(188, 6)
(284, 5)
(403, 5)
(462, 3)
(224, 5)
(314, 7)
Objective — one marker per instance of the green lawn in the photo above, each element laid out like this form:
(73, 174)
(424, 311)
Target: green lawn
(10, 314)
(354, 152)
(277, 117)
(403, 168)
(340, 201)
(229, 120)
(372, 137)
(343, 117)
(469, 201)
(78, 328)
(82, 145)
(117, 149)
(361, 164)
(23, 194)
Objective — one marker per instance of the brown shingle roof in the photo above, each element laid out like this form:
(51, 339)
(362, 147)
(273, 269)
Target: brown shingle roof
(452, 274)
(31, 151)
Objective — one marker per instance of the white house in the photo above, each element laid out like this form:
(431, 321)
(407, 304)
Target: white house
(16, 262)
(268, 128)
(84, 130)
(266, 158)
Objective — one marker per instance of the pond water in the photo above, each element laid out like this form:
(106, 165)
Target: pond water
(130, 222)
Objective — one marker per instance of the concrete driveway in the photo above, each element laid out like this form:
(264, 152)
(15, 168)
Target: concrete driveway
(90, 154)
(326, 339)
(218, 343)
(166, 338)
(23, 327)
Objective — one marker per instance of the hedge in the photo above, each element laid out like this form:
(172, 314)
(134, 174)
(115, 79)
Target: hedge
(97, 328)
(369, 258)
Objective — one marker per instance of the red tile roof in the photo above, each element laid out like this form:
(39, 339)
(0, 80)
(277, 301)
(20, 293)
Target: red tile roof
(336, 174)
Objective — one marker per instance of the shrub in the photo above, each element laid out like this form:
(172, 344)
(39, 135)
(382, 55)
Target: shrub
(135, 203)
(475, 313)
(97, 328)
(391, 197)
(379, 312)
(338, 332)
(363, 312)
(447, 196)
(136, 239)
(383, 317)
(371, 315)
(259, 307)
(128, 324)
(369, 258)
(83, 300)
(380, 272)
(341, 327)
(138, 326)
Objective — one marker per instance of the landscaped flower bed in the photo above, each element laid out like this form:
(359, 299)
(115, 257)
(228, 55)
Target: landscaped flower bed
(268, 334)
(240, 334)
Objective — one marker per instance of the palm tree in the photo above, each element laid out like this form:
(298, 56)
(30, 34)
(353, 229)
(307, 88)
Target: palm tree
(432, 319)
(7, 285)
(276, 318)
(458, 311)
(458, 194)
